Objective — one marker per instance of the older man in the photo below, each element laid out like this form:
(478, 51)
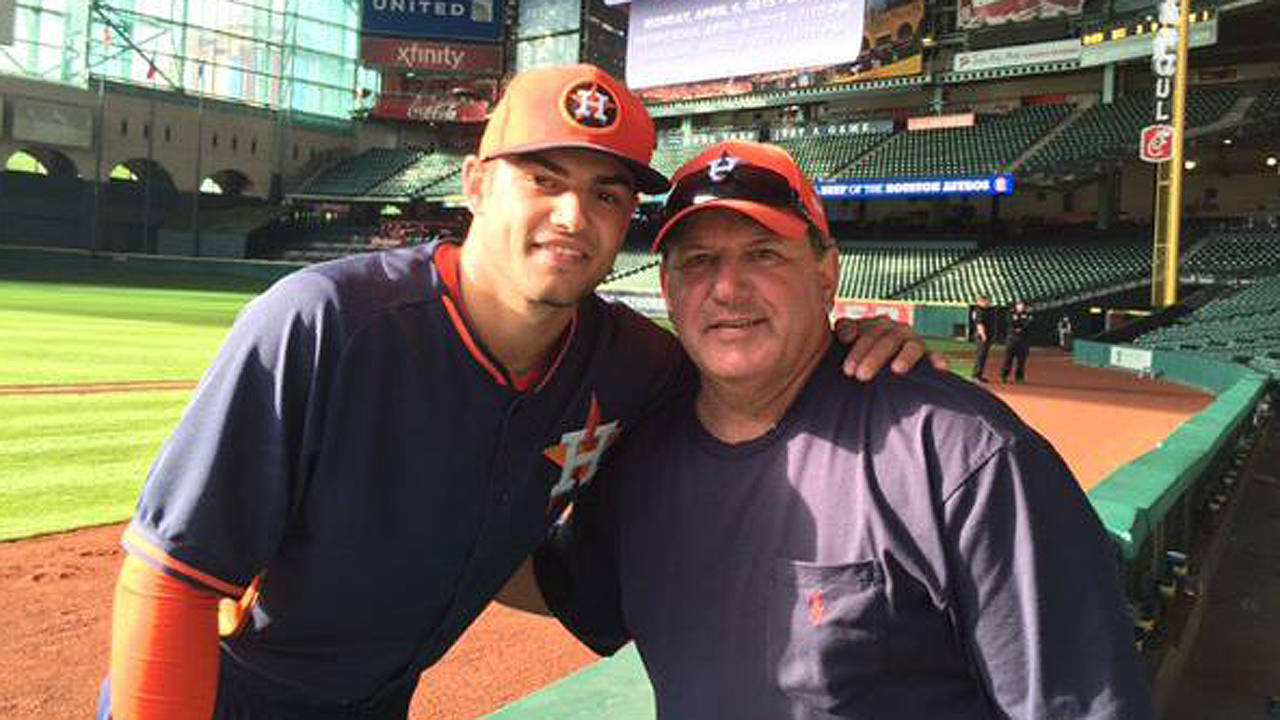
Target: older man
(785, 544)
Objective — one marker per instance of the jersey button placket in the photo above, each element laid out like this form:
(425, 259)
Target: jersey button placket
(501, 492)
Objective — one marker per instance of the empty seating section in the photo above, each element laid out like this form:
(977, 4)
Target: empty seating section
(826, 156)
(1234, 254)
(880, 273)
(384, 173)
(355, 176)
(987, 147)
(1109, 130)
(1036, 273)
(821, 156)
(1266, 104)
(419, 176)
(1244, 327)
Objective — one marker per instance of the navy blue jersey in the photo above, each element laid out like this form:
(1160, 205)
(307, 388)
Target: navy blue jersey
(1019, 321)
(355, 456)
(903, 548)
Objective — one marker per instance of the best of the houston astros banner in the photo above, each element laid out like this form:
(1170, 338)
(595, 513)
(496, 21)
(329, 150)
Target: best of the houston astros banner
(434, 19)
(915, 187)
(431, 56)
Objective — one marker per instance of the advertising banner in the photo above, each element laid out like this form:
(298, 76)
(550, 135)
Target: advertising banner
(974, 14)
(1131, 358)
(915, 187)
(435, 99)
(431, 56)
(434, 19)
(896, 311)
(1156, 143)
(1017, 55)
(941, 122)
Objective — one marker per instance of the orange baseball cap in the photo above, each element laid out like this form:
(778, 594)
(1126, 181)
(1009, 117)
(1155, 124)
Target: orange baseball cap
(575, 106)
(759, 180)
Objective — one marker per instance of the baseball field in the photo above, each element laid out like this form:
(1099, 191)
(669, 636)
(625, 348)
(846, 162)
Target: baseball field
(95, 370)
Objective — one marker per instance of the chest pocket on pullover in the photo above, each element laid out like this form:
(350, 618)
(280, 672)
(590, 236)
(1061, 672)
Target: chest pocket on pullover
(825, 633)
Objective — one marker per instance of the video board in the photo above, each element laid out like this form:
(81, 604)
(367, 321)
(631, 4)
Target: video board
(685, 49)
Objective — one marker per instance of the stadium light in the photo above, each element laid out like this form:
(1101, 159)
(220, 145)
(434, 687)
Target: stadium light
(1228, 142)
(1271, 161)
(1190, 165)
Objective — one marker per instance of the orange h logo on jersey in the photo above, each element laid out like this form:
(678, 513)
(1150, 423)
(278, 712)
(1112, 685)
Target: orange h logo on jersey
(579, 452)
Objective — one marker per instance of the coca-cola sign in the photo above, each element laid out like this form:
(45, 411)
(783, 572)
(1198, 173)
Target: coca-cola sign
(1156, 145)
(450, 100)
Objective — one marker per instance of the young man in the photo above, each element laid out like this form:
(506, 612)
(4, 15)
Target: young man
(805, 547)
(384, 439)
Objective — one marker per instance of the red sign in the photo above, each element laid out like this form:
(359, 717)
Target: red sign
(1156, 145)
(940, 122)
(428, 108)
(431, 56)
(896, 311)
(456, 100)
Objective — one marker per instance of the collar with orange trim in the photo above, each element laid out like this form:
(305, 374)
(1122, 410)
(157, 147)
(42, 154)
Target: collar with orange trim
(447, 261)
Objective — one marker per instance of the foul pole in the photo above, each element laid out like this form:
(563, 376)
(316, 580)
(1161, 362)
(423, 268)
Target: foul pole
(1163, 144)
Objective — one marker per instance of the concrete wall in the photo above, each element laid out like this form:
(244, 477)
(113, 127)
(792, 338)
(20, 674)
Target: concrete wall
(249, 141)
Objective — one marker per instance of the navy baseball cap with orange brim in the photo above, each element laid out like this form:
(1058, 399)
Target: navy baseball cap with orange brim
(758, 180)
(574, 106)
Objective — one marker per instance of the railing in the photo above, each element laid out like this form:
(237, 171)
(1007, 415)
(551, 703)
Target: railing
(1161, 507)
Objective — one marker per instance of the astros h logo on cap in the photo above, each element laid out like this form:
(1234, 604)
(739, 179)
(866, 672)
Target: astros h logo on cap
(574, 106)
(590, 104)
(722, 167)
(759, 180)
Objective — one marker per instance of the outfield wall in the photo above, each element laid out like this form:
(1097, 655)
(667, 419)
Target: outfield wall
(1135, 500)
(78, 264)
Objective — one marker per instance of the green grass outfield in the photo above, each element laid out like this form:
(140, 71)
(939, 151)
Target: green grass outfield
(72, 460)
(69, 461)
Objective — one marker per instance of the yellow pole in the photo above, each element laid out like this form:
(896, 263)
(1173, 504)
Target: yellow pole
(1179, 146)
(1168, 216)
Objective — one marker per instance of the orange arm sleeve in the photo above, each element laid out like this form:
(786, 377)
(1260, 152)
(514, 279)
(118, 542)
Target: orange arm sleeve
(164, 647)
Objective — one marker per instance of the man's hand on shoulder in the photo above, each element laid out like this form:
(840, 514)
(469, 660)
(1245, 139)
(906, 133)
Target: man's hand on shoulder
(878, 341)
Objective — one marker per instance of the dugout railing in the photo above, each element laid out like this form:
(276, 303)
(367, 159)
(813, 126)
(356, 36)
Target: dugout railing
(1163, 508)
